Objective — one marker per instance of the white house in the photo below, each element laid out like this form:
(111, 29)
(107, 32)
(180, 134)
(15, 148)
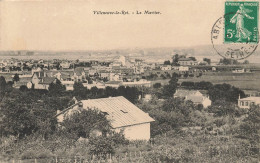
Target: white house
(183, 68)
(193, 95)
(166, 67)
(124, 116)
(245, 103)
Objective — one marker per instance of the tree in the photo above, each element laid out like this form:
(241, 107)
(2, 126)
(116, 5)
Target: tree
(110, 91)
(3, 87)
(178, 105)
(82, 123)
(225, 92)
(2, 84)
(56, 88)
(106, 145)
(100, 146)
(207, 60)
(188, 84)
(221, 107)
(246, 62)
(170, 89)
(94, 92)
(23, 88)
(16, 78)
(157, 85)
(227, 61)
(203, 85)
(79, 90)
(193, 58)
(18, 114)
(175, 60)
(132, 94)
(167, 62)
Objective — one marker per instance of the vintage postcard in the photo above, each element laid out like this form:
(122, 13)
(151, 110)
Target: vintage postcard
(142, 81)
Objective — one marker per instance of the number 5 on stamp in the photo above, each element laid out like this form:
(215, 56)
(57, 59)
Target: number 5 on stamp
(241, 24)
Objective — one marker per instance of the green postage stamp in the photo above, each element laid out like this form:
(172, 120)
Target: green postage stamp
(241, 22)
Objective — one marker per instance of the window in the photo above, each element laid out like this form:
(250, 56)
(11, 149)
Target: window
(105, 113)
(246, 103)
(124, 111)
(242, 103)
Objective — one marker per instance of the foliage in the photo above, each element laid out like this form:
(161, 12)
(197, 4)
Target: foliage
(157, 85)
(106, 145)
(2, 84)
(170, 89)
(167, 62)
(226, 92)
(18, 117)
(250, 128)
(16, 78)
(227, 61)
(207, 60)
(246, 62)
(82, 123)
(203, 85)
(101, 145)
(79, 90)
(193, 58)
(175, 60)
(23, 88)
(56, 88)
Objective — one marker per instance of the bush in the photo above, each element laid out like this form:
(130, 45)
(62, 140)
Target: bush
(157, 85)
(100, 146)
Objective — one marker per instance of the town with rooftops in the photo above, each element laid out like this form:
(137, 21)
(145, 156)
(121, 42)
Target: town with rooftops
(133, 99)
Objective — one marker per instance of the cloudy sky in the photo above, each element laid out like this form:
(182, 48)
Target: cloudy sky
(71, 25)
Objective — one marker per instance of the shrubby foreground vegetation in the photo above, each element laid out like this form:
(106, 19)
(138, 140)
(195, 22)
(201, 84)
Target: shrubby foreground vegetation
(182, 132)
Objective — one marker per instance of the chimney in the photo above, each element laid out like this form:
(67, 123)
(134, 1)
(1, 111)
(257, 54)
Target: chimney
(58, 111)
(80, 106)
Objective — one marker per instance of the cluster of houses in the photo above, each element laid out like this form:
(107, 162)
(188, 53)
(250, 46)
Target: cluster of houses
(118, 73)
(122, 71)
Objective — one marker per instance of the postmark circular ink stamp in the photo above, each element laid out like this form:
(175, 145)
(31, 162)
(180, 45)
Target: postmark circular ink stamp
(235, 35)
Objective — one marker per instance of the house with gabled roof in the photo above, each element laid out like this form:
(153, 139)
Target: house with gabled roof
(193, 95)
(79, 74)
(124, 116)
(40, 80)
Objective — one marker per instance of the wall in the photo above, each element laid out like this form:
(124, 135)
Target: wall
(136, 132)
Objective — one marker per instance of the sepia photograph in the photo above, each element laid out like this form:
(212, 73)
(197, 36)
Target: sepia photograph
(129, 81)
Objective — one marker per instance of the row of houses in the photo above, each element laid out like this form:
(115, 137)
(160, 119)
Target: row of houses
(40, 79)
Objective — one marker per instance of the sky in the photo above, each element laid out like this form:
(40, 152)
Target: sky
(71, 25)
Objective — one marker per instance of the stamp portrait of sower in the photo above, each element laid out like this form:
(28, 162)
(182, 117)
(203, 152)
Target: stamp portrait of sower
(241, 24)
(238, 18)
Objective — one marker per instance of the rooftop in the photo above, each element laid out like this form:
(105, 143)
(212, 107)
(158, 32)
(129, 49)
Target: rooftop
(119, 110)
(257, 99)
(184, 92)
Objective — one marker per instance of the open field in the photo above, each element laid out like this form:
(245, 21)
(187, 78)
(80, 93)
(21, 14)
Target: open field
(248, 81)
(244, 80)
